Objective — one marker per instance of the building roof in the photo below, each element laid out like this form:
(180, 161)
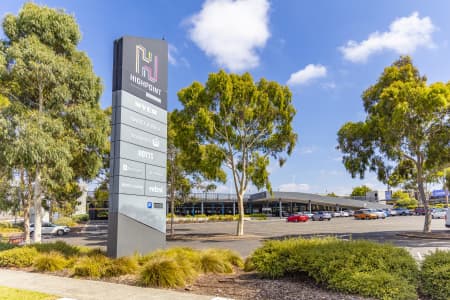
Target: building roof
(315, 199)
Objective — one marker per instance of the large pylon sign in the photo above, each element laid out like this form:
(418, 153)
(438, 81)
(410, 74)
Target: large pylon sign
(137, 200)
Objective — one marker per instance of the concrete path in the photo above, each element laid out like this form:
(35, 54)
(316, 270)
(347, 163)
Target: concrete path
(87, 289)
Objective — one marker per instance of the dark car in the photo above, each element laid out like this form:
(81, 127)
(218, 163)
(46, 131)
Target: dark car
(420, 211)
(298, 218)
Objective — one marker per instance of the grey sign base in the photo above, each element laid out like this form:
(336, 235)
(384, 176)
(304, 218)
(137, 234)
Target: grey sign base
(126, 236)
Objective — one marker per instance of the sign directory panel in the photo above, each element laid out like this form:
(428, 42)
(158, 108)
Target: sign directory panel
(137, 208)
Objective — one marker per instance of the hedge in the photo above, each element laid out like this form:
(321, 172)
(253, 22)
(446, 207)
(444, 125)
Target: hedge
(355, 267)
(435, 275)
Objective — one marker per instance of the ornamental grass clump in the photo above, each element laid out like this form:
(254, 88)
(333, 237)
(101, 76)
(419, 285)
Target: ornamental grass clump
(435, 276)
(91, 266)
(58, 246)
(120, 266)
(212, 261)
(51, 261)
(19, 257)
(163, 272)
(355, 267)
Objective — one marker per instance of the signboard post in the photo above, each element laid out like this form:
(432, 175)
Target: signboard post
(137, 198)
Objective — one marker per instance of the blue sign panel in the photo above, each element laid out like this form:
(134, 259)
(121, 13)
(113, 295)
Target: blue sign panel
(149, 204)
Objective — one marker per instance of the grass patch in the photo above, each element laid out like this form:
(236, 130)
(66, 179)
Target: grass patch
(212, 262)
(91, 266)
(51, 261)
(18, 257)
(356, 267)
(6, 246)
(65, 221)
(435, 275)
(7, 293)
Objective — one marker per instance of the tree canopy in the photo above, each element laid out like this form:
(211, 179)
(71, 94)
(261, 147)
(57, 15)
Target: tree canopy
(234, 122)
(406, 131)
(53, 128)
(360, 191)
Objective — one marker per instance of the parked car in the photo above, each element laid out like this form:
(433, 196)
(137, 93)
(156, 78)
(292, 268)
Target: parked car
(401, 211)
(49, 228)
(447, 219)
(335, 214)
(308, 214)
(321, 215)
(380, 213)
(438, 213)
(344, 213)
(365, 214)
(387, 212)
(351, 213)
(420, 211)
(298, 218)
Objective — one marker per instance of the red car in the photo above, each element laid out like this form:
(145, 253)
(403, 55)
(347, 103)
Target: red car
(298, 218)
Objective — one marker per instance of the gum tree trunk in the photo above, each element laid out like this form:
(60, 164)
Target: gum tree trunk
(37, 207)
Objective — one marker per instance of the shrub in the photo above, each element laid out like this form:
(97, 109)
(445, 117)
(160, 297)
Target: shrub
(91, 266)
(212, 262)
(51, 261)
(18, 257)
(259, 216)
(80, 218)
(58, 246)
(249, 266)
(435, 275)
(65, 221)
(161, 273)
(342, 265)
(6, 246)
(120, 266)
(230, 256)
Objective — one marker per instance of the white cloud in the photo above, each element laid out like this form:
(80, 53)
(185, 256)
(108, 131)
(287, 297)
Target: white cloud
(172, 52)
(306, 75)
(329, 85)
(294, 187)
(231, 31)
(404, 36)
(307, 149)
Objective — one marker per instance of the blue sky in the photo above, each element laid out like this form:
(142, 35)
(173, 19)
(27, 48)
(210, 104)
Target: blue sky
(327, 51)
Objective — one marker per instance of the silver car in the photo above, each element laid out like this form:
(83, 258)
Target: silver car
(438, 213)
(49, 228)
(321, 215)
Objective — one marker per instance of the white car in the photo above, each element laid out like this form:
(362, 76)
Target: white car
(380, 214)
(344, 213)
(49, 228)
(335, 214)
(438, 213)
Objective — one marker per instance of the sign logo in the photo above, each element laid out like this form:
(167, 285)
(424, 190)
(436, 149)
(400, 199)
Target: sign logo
(146, 64)
(149, 204)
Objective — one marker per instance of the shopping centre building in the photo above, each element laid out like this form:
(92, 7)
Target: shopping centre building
(264, 202)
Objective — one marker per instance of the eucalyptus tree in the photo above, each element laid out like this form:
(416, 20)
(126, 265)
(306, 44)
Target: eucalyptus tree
(234, 122)
(407, 129)
(54, 129)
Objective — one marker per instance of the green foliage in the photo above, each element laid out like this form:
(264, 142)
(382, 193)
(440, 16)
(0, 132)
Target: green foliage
(51, 261)
(6, 246)
(360, 191)
(162, 273)
(258, 216)
(235, 122)
(249, 266)
(18, 257)
(19, 294)
(120, 266)
(408, 203)
(212, 261)
(435, 275)
(65, 221)
(406, 134)
(80, 218)
(91, 266)
(332, 194)
(59, 247)
(342, 265)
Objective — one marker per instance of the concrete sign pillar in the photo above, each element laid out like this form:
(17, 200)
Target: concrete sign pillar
(137, 196)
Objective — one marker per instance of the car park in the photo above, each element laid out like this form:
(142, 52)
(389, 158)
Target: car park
(297, 218)
(321, 215)
(438, 213)
(387, 212)
(351, 213)
(50, 228)
(365, 214)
